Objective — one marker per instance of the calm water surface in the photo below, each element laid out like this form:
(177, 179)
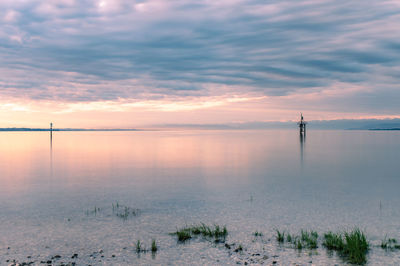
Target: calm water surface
(247, 180)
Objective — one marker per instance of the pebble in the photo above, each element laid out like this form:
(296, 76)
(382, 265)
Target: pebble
(238, 249)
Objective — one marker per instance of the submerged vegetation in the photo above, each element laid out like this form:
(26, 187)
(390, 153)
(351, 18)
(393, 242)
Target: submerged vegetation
(390, 244)
(124, 212)
(139, 247)
(306, 239)
(93, 211)
(218, 233)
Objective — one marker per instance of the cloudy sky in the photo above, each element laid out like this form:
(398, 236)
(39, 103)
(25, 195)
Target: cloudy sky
(127, 63)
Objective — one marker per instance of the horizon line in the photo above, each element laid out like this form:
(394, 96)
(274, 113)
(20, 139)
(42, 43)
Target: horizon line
(372, 123)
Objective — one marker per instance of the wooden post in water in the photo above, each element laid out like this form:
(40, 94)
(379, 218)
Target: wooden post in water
(302, 125)
(51, 133)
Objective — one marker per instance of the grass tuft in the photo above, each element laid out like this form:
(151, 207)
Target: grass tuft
(356, 246)
(333, 241)
(306, 239)
(298, 244)
(309, 239)
(154, 247)
(139, 247)
(256, 233)
(183, 235)
(352, 245)
(280, 236)
(125, 212)
(217, 232)
(389, 244)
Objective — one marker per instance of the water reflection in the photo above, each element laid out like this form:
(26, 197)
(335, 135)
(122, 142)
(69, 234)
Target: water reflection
(186, 177)
(302, 146)
(51, 153)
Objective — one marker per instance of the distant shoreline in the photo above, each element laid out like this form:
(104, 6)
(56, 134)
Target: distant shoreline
(64, 129)
(168, 129)
(384, 129)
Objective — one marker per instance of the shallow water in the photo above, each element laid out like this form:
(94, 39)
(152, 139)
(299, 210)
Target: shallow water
(247, 180)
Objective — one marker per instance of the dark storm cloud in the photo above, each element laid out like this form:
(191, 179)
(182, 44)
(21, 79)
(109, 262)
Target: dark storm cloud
(104, 50)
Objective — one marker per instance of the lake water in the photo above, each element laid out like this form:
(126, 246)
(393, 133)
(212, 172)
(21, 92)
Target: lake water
(247, 180)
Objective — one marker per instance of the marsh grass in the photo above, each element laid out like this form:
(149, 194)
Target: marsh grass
(217, 232)
(389, 244)
(333, 241)
(124, 212)
(256, 233)
(297, 243)
(280, 236)
(93, 211)
(289, 238)
(356, 246)
(139, 247)
(306, 239)
(115, 206)
(154, 247)
(309, 239)
(352, 245)
(183, 235)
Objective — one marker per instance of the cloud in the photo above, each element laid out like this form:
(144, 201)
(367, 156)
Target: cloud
(88, 51)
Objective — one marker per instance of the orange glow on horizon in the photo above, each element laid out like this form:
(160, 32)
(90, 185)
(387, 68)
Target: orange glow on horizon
(133, 113)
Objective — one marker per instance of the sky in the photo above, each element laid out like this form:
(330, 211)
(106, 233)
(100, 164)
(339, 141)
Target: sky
(127, 63)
